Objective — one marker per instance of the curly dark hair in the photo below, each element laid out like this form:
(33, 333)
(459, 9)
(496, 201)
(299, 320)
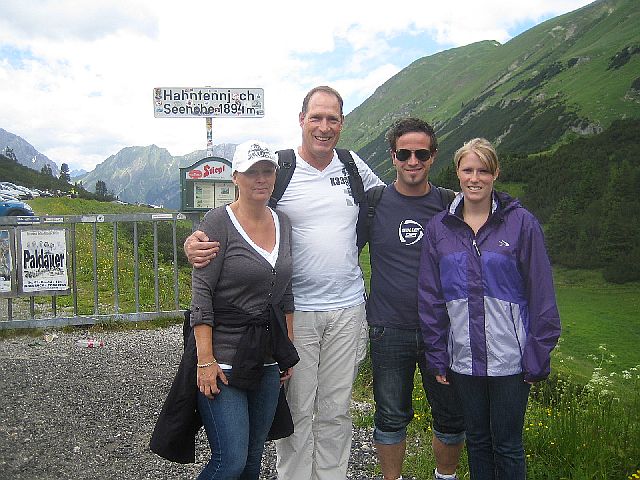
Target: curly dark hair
(407, 125)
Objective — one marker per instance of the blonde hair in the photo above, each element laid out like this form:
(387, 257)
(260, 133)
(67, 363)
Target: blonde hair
(483, 149)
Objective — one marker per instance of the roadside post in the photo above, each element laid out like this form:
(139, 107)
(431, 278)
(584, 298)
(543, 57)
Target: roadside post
(207, 183)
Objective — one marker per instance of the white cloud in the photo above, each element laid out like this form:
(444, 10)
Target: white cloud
(76, 77)
(76, 19)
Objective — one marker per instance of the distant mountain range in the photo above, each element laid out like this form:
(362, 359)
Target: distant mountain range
(567, 77)
(25, 153)
(148, 174)
(77, 173)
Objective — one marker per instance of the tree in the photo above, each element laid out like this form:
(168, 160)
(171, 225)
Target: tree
(46, 170)
(10, 154)
(563, 230)
(64, 173)
(620, 230)
(447, 178)
(101, 189)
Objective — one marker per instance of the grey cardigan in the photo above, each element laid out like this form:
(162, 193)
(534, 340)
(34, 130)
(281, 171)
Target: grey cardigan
(240, 276)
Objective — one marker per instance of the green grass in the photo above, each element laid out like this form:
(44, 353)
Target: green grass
(80, 206)
(600, 323)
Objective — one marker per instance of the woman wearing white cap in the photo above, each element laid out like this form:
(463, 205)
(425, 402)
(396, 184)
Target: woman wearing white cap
(242, 318)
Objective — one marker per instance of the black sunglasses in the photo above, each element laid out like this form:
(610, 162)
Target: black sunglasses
(422, 154)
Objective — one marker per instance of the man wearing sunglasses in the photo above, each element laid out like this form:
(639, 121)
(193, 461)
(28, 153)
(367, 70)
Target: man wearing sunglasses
(395, 240)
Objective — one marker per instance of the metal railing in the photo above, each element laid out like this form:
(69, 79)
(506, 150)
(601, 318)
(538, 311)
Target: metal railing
(95, 296)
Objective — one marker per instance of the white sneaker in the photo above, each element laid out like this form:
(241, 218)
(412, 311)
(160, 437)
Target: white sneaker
(440, 477)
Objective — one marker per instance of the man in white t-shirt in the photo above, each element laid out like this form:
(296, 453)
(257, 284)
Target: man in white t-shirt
(330, 331)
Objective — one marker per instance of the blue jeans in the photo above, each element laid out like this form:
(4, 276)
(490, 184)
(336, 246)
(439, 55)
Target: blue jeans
(395, 353)
(237, 423)
(494, 409)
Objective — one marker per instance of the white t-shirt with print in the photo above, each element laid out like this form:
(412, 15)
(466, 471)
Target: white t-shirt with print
(323, 214)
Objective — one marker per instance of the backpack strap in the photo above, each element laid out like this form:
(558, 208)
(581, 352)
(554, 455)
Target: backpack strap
(367, 212)
(287, 163)
(446, 196)
(355, 180)
(373, 196)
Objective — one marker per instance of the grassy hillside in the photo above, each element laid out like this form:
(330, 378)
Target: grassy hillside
(20, 175)
(572, 75)
(600, 323)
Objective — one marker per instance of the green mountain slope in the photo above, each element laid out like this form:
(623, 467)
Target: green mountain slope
(572, 75)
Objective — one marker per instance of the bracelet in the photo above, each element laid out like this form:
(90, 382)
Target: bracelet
(208, 364)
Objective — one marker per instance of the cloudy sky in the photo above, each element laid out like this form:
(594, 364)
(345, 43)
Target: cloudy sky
(77, 76)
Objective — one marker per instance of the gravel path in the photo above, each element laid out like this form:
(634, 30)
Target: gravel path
(68, 412)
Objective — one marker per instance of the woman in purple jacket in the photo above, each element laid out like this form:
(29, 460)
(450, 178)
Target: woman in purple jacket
(488, 310)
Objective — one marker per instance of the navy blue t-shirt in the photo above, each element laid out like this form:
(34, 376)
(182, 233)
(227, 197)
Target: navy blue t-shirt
(395, 245)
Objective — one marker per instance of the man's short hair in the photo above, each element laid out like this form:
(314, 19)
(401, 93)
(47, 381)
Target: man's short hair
(408, 125)
(321, 88)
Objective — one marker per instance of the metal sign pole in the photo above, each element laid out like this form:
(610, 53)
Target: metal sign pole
(209, 136)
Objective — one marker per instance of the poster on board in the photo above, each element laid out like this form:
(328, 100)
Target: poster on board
(6, 262)
(225, 193)
(203, 195)
(43, 261)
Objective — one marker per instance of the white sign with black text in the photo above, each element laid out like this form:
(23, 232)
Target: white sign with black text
(43, 255)
(172, 102)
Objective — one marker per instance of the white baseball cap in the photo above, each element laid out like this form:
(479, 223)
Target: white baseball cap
(250, 153)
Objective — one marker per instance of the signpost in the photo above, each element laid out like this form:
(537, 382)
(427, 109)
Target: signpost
(207, 183)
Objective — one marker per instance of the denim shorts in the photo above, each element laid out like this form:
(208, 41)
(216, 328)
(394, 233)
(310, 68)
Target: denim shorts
(395, 353)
